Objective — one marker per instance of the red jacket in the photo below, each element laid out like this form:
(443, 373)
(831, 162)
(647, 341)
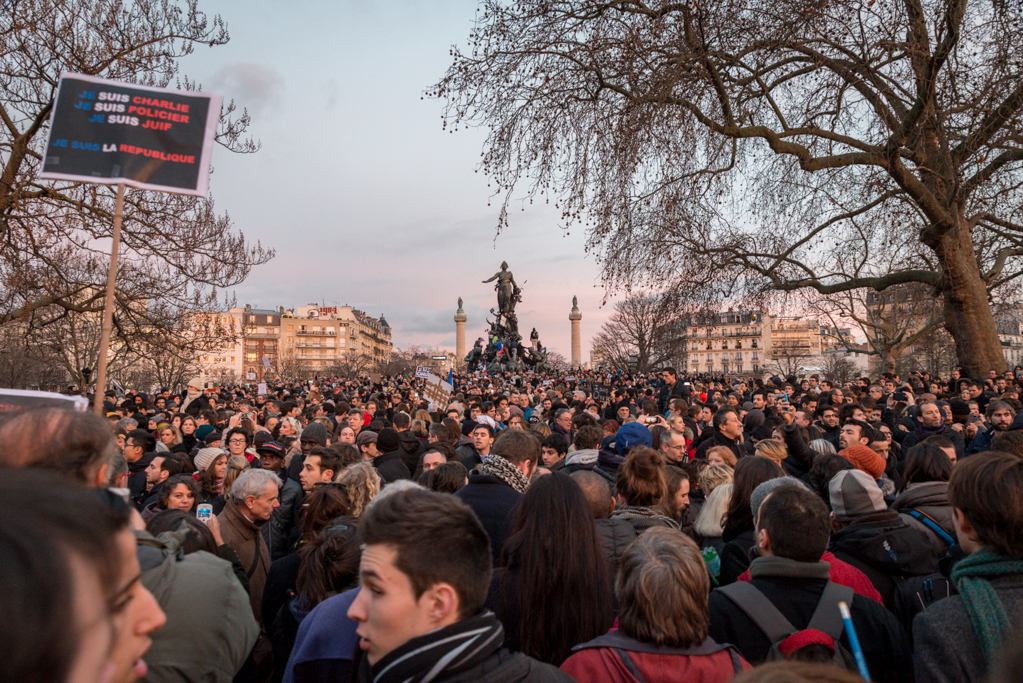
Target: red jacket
(598, 661)
(843, 574)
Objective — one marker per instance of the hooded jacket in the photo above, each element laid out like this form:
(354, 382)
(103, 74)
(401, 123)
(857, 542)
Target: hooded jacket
(885, 548)
(210, 628)
(411, 448)
(930, 498)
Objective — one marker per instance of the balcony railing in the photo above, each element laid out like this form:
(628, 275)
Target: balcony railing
(318, 333)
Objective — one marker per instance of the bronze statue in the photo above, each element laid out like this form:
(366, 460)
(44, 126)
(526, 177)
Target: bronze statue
(506, 289)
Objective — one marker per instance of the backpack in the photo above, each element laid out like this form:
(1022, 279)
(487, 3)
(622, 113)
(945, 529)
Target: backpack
(786, 639)
(932, 526)
(914, 594)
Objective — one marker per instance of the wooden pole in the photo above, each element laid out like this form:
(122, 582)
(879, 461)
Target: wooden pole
(108, 306)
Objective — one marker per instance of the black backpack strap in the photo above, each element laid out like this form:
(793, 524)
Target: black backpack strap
(629, 665)
(827, 618)
(758, 608)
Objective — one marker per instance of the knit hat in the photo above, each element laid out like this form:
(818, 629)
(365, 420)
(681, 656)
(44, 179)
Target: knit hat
(388, 440)
(206, 457)
(365, 437)
(760, 493)
(632, 435)
(853, 494)
(864, 459)
(195, 383)
(203, 430)
(213, 436)
(315, 432)
(959, 406)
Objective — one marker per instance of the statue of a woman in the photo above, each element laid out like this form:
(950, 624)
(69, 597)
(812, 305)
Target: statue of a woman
(505, 289)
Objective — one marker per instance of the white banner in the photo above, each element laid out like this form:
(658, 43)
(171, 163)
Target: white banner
(437, 391)
(422, 372)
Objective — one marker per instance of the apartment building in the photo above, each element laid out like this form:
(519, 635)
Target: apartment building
(751, 342)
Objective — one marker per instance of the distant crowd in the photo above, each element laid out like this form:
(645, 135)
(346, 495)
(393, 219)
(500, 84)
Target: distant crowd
(591, 526)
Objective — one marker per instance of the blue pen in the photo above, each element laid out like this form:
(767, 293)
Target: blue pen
(857, 651)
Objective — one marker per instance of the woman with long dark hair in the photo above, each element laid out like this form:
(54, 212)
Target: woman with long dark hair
(738, 534)
(553, 590)
(923, 496)
(329, 565)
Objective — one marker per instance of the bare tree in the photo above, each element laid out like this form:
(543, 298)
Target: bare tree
(838, 368)
(557, 362)
(350, 366)
(894, 321)
(642, 334)
(789, 145)
(53, 234)
(788, 358)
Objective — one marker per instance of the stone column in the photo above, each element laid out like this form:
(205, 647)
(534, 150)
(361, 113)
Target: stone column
(460, 333)
(577, 348)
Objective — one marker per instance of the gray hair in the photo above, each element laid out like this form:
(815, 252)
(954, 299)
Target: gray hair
(117, 467)
(253, 482)
(127, 424)
(823, 446)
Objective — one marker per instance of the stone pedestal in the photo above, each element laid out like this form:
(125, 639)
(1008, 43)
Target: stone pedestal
(460, 333)
(577, 348)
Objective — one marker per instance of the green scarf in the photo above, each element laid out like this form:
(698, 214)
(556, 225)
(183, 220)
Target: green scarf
(986, 612)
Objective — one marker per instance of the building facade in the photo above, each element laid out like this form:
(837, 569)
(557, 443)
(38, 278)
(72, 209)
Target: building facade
(751, 342)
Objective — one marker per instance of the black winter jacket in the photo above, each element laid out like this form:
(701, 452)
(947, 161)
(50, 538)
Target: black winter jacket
(886, 549)
(883, 640)
(391, 467)
(494, 503)
(277, 533)
(411, 448)
(614, 535)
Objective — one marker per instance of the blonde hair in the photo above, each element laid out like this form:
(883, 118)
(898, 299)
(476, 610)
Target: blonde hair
(773, 449)
(542, 428)
(709, 523)
(725, 452)
(175, 430)
(236, 464)
(713, 476)
(362, 484)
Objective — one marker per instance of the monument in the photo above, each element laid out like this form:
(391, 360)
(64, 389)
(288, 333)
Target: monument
(460, 331)
(502, 350)
(577, 348)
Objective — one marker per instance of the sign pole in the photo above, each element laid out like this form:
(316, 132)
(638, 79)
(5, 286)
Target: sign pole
(108, 306)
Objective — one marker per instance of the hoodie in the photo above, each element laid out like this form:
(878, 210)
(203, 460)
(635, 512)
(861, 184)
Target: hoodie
(411, 448)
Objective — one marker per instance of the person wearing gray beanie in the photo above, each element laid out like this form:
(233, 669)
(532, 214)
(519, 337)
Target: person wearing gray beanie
(761, 492)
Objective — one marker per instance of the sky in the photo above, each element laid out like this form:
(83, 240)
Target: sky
(367, 201)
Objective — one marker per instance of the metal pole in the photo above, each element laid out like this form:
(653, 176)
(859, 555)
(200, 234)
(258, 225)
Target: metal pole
(108, 306)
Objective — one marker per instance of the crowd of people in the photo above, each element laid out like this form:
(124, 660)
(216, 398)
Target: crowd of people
(596, 527)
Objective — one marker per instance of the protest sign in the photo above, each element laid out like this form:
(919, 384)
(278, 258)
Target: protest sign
(266, 362)
(13, 401)
(261, 389)
(437, 391)
(422, 372)
(250, 376)
(114, 133)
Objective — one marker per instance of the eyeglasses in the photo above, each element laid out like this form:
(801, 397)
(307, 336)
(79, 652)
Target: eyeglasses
(237, 441)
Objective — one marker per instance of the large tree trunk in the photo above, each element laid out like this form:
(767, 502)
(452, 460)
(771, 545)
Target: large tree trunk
(968, 316)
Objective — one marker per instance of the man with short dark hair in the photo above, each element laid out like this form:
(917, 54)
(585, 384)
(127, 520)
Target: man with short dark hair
(1000, 416)
(161, 468)
(727, 433)
(482, 438)
(411, 447)
(933, 423)
(495, 490)
(553, 451)
(389, 463)
(425, 572)
(792, 527)
(961, 638)
(139, 451)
